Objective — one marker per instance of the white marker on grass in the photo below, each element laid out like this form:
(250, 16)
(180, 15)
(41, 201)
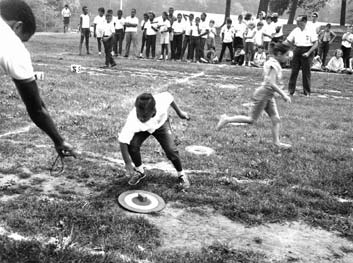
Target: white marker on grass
(200, 150)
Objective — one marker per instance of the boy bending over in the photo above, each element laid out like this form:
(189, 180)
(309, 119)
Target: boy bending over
(150, 117)
(263, 96)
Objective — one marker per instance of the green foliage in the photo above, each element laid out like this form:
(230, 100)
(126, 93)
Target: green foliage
(280, 6)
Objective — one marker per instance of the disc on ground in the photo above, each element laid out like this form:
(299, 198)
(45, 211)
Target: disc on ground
(140, 201)
(199, 150)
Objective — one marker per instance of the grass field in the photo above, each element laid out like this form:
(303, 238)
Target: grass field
(249, 202)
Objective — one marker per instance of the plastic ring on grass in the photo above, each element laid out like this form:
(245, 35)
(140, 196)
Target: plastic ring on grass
(199, 150)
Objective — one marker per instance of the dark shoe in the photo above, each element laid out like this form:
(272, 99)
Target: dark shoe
(126, 56)
(135, 179)
(184, 181)
(113, 65)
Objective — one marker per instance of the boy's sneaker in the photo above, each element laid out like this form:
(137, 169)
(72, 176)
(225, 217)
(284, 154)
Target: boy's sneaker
(161, 57)
(136, 178)
(140, 55)
(284, 146)
(184, 181)
(166, 57)
(99, 53)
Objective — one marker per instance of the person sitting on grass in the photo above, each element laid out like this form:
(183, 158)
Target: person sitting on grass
(317, 64)
(239, 57)
(150, 117)
(17, 25)
(263, 96)
(336, 64)
(108, 39)
(259, 57)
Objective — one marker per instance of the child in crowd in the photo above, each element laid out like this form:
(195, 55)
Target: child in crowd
(258, 40)
(151, 35)
(195, 41)
(267, 33)
(239, 29)
(211, 39)
(178, 28)
(264, 96)
(239, 57)
(84, 29)
(189, 20)
(259, 57)
(119, 33)
(227, 36)
(164, 28)
(98, 23)
(326, 38)
(317, 64)
(150, 117)
(143, 29)
(108, 39)
(346, 46)
(249, 36)
(336, 63)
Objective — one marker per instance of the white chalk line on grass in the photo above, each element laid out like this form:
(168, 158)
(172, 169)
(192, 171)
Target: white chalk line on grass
(67, 242)
(18, 131)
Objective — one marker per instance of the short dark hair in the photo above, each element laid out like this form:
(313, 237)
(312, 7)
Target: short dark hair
(145, 102)
(328, 25)
(101, 9)
(19, 10)
(110, 12)
(84, 7)
(260, 24)
(280, 48)
(66, 6)
(229, 21)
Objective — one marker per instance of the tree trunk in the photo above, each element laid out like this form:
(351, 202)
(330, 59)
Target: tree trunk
(263, 6)
(228, 5)
(293, 9)
(343, 12)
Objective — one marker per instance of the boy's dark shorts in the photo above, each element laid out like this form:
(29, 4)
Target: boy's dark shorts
(85, 32)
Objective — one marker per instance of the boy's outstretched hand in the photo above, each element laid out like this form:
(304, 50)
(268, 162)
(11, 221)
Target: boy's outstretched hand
(184, 115)
(65, 150)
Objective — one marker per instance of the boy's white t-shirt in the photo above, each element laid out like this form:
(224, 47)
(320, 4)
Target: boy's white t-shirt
(213, 32)
(346, 43)
(188, 27)
(131, 20)
(268, 30)
(15, 59)
(134, 125)
(119, 23)
(85, 21)
(260, 58)
(240, 29)
(164, 25)
(66, 12)
(250, 33)
(228, 34)
(108, 29)
(259, 37)
(178, 27)
(204, 26)
(274, 26)
(149, 28)
(99, 22)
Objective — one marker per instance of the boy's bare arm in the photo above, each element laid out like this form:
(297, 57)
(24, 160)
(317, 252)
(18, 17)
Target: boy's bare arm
(181, 114)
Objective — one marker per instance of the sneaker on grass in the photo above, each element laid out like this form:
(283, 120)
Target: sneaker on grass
(136, 178)
(184, 181)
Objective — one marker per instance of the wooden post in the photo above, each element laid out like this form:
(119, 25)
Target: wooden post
(293, 9)
(228, 4)
(263, 6)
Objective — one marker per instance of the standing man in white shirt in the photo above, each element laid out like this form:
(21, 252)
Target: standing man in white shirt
(204, 26)
(131, 24)
(171, 19)
(189, 22)
(316, 27)
(151, 35)
(17, 25)
(108, 38)
(66, 13)
(178, 32)
(98, 24)
(119, 33)
(305, 42)
(84, 29)
(239, 29)
(277, 35)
